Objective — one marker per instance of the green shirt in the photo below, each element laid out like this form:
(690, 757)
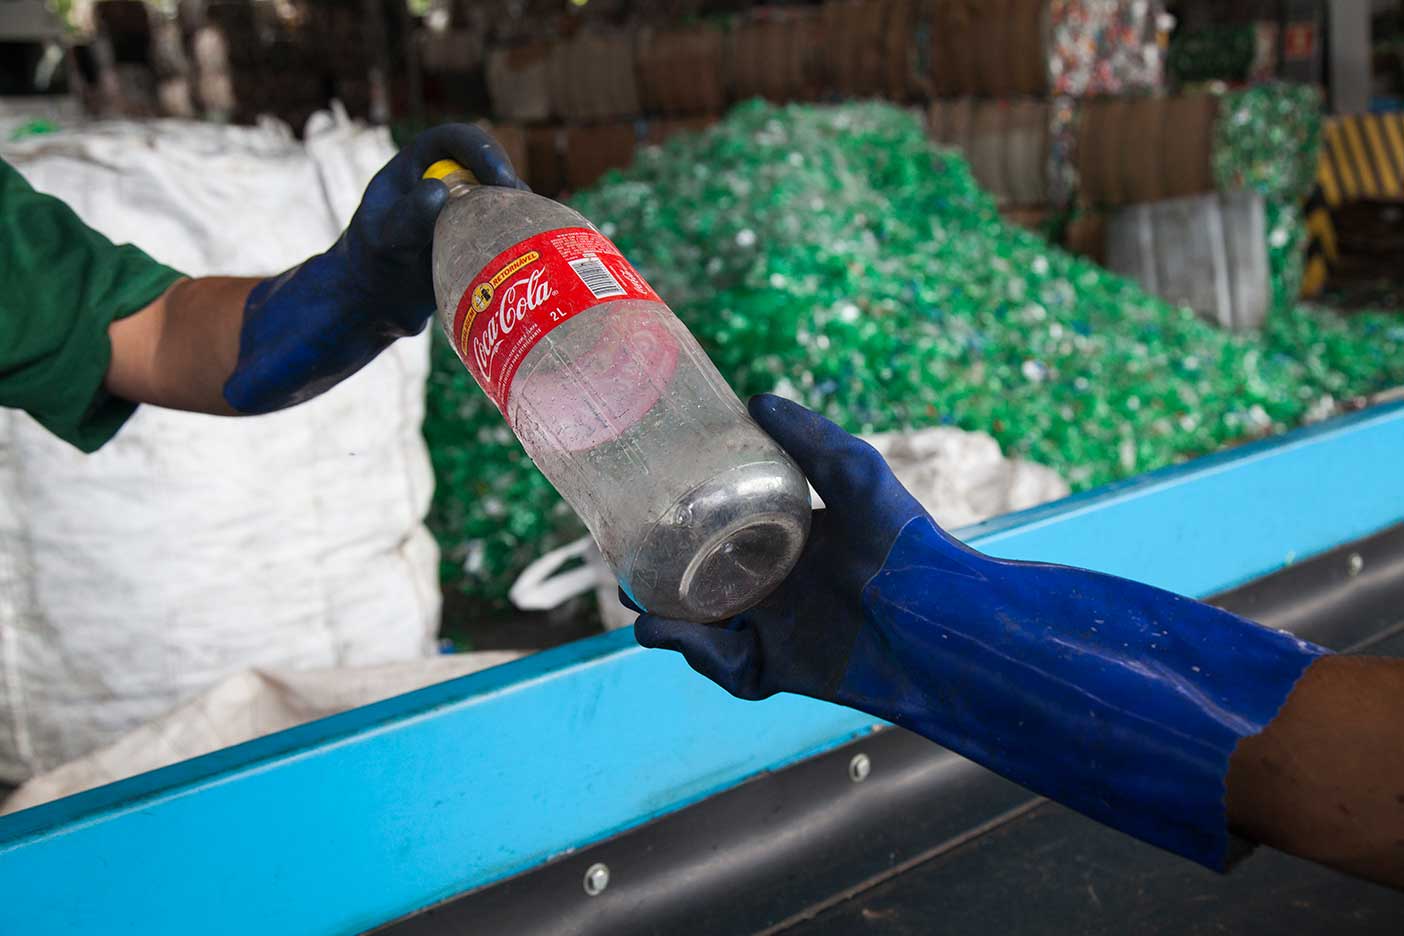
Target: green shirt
(61, 285)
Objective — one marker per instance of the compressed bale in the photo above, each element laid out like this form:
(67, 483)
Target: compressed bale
(995, 65)
(518, 82)
(989, 144)
(1145, 134)
(1026, 159)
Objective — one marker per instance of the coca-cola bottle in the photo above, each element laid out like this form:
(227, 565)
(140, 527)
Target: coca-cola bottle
(698, 512)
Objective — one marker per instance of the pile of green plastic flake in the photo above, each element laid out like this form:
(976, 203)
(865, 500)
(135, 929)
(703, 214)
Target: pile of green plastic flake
(1267, 139)
(1287, 239)
(830, 254)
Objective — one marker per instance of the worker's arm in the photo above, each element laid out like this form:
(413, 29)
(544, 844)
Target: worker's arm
(1325, 780)
(179, 350)
(240, 346)
(1120, 700)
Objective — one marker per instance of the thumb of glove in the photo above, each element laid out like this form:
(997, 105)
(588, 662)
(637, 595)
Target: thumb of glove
(729, 658)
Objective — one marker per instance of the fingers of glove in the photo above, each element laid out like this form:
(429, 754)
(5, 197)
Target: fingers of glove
(409, 226)
(845, 470)
(471, 146)
(729, 658)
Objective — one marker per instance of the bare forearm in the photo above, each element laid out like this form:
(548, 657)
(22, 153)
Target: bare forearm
(1325, 780)
(179, 351)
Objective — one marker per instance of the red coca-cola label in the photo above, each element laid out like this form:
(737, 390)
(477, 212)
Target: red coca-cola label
(528, 290)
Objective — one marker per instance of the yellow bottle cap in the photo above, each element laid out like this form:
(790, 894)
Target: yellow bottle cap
(446, 167)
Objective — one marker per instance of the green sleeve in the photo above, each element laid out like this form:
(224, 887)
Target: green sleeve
(61, 285)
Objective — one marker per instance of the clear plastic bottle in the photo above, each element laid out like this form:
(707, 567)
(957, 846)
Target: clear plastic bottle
(698, 512)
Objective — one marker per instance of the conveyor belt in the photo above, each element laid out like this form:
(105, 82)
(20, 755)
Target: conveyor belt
(927, 842)
(1053, 871)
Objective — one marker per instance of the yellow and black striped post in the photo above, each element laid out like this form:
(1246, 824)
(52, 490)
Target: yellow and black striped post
(1362, 159)
(1321, 244)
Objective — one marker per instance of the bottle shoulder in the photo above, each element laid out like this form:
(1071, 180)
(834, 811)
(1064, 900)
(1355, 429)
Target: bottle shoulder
(495, 219)
(512, 206)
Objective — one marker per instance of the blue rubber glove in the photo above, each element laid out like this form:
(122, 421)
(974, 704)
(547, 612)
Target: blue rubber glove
(320, 322)
(1114, 698)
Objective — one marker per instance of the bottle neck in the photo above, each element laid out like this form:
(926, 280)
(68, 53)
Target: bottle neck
(460, 183)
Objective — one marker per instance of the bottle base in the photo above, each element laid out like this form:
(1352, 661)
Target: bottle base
(724, 546)
(737, 568)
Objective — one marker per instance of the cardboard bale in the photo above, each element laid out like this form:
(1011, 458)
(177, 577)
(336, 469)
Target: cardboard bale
(773, 60)
(1006, 143)
(836, 66)
(812, 46)
(660, 130)
(1110, 143)
(1031, 218)
(592, 151)
(899, 29)
(987, 149)
(513, 140)
(854, 35)
(609, 57)
(799, 39)
(700, 76)
(951, 120)
(1187, 158)
(518, 82)
(992, 37)
(953, 53)
(1141, 149)
(1144, 138)
(1086, 236)
(449, 50)
(775, 53)
(545, 160)
(658, 56)
(568, 91)
(1094, 126)
(742, 62)
(1027, 151)
(870, 69)
(1029, 56)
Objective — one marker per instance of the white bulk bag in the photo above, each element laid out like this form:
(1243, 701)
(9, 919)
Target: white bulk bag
(191, 547)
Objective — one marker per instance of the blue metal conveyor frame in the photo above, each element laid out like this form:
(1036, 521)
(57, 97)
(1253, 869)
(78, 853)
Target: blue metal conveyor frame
(355, 820)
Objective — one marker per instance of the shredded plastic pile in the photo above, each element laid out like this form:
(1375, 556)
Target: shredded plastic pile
(831, 255)
(1267, 139)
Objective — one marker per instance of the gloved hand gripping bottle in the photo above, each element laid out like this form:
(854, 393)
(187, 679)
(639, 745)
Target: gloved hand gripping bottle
(698, 512)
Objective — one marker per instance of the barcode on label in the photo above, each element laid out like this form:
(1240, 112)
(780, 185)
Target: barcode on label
(597, 278)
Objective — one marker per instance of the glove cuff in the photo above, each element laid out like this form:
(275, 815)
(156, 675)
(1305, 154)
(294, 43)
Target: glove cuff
(302, 334)
(1117, 699)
